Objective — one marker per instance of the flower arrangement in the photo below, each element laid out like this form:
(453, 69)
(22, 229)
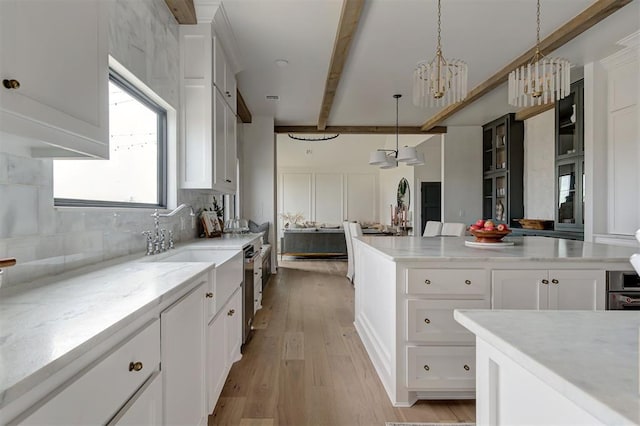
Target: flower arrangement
(291, 218)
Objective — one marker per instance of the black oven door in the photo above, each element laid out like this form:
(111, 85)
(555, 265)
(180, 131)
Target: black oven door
(624, 301)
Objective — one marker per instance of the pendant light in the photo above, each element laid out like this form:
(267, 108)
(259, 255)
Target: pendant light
(439, 82)
(541, 81)
(388, 158)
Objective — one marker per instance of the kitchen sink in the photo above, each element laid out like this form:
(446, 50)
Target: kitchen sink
(194, 255)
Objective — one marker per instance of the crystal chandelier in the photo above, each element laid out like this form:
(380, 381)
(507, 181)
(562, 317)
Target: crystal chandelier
(543, 80)
(439, 82)
(388, 158)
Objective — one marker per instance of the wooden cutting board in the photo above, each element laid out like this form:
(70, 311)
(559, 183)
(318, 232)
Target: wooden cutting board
(5, 263)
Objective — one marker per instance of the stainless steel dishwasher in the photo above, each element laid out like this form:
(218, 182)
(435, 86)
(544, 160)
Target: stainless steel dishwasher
(247, 291)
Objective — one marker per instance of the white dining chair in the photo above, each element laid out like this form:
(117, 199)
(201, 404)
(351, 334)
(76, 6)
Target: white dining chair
(432, 229)
(356, 231)
(452, 229)
(347, 237)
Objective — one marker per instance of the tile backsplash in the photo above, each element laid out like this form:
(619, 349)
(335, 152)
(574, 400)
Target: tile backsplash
(47, 240)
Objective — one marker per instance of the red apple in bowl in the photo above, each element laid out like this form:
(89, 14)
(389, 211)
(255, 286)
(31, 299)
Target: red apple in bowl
(489, 224)
(502, 227)
(475, 227)
(480, 223)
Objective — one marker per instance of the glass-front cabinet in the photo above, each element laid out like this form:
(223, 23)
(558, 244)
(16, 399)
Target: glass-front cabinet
(503, 160)
(570, 179)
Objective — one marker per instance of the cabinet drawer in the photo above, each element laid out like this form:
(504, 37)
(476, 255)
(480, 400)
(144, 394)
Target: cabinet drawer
(441, 368)
(432, 321)
(96, 394)
(467, 283)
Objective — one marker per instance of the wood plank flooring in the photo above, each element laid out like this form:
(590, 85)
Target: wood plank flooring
(305, 364)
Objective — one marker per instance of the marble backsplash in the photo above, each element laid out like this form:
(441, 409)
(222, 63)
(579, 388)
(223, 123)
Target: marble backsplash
(49, 240)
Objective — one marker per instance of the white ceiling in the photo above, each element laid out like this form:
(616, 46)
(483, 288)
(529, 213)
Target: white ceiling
(392, 36)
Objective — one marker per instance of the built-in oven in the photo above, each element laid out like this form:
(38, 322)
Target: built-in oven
(623, 290)
(247, 291)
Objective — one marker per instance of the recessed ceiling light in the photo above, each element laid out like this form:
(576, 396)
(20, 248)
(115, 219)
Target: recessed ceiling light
(282, 63)
(273, 97)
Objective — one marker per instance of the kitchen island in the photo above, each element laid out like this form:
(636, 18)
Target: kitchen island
(406, 289)
(570, 367)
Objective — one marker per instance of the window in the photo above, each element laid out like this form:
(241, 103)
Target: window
(135, 174)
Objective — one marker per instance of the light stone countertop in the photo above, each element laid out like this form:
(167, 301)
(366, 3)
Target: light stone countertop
(589, 357)
(47, 324)
(525, 248)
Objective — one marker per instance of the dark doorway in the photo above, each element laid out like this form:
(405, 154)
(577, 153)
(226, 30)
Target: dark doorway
(431, 208)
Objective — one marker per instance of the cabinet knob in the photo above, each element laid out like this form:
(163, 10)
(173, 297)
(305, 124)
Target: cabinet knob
(231, 312)
(555, 281)
(228, 94)
(466, 367)
(467, 282)
(209, 295)
(11, 84)
(135, 366)
(427, 282)
(545, 282)
(426, 368)
(427, 321)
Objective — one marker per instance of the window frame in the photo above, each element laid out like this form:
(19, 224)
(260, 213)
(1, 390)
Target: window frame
(161, 112)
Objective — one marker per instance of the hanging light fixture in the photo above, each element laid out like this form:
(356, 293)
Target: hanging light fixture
(388, 158)
(439, 82)
(543, 80)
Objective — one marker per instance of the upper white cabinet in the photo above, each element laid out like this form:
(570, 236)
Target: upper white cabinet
(54, 73)
(223, 76)
(552, 289)
(209, 155)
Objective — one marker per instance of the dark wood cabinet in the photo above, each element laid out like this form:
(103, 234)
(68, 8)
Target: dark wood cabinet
(503, 163)
(570, 179)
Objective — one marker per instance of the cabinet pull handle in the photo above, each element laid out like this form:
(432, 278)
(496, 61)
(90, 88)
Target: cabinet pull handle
(466, 367)
(135, 366)
(228, 180)
(467, 282)
(231, 312)
(545, 282)
(555, 281)
(427, 321)
(209, 295)
(426, 368)
(427, 282)
(11, 84)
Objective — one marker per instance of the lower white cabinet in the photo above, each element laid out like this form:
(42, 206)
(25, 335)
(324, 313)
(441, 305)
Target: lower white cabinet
(224, 338)
(431, 321)
(145, 407)
(182, 354)
(99, 391)
(441, 368)
(548, 289)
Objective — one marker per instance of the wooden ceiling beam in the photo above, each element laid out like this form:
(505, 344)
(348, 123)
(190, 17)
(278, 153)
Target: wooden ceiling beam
(349, 18)
(243, 110)
(533, 111)
(183, 10)
(363, 130)
(570, 30)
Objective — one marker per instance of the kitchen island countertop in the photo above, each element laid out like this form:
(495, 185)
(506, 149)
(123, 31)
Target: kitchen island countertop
(591, 358)
(442, 249)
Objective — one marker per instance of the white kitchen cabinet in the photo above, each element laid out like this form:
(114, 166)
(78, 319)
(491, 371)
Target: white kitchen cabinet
(58, 54)
(233, 327)
(182, 355)
(104, 387)
(548, 289)
(145, 407)
(223, 76)
(217, 365)
(431, 321)
(441, 368)
(208, 126)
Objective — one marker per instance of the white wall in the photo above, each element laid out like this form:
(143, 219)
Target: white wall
(539, 166)
(462, 174)
(143, 36)
(258, 169)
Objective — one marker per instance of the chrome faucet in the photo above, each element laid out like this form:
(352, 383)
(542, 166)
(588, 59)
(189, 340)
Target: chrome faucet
(159, 240)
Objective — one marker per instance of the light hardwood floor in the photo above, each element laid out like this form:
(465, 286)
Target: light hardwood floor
(305, 364)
